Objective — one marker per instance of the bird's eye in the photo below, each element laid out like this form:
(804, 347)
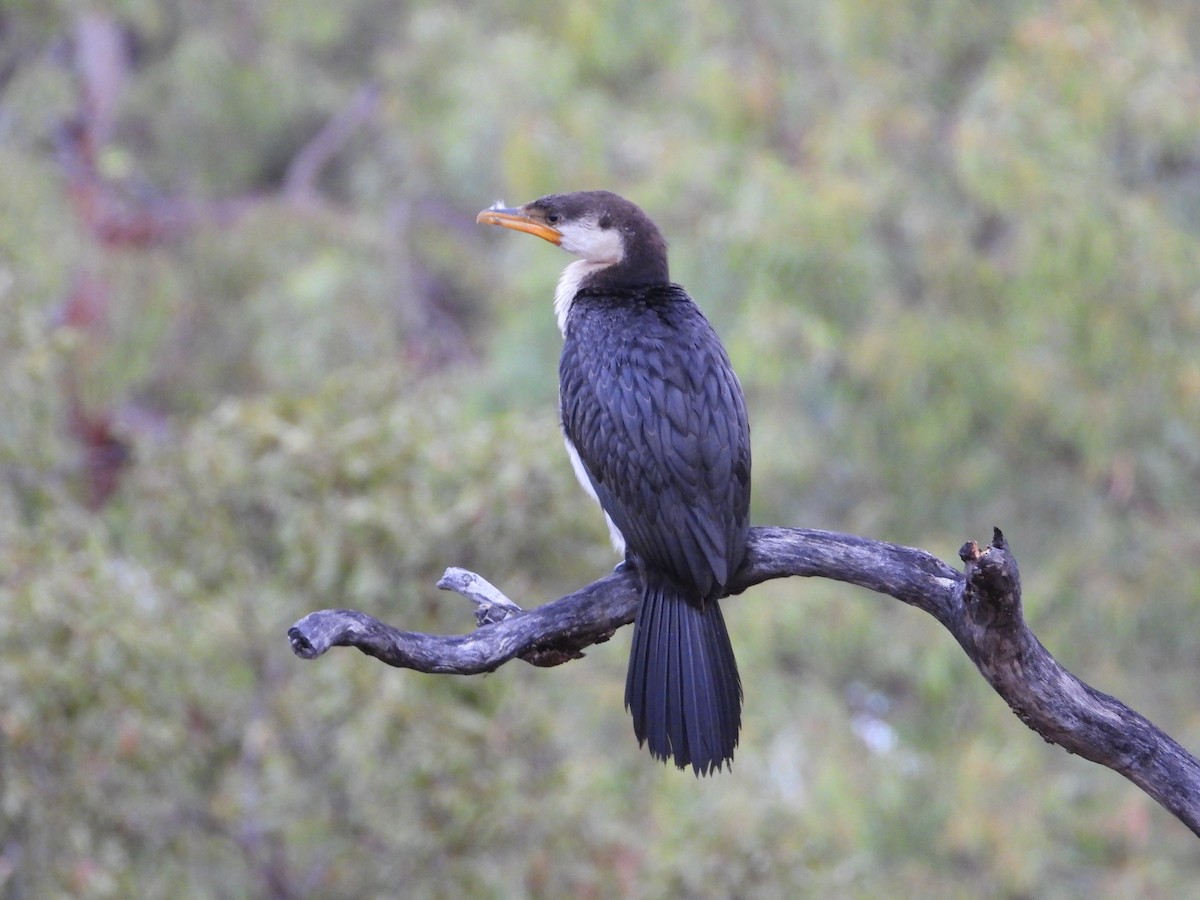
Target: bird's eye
(605, 222)
(553, 218)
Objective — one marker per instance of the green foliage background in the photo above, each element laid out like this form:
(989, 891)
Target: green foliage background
(954, 250)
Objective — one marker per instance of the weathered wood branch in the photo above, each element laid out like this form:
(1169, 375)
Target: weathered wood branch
(981, 608)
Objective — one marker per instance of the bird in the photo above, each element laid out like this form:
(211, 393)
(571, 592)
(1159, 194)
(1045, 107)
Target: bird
(654, 420)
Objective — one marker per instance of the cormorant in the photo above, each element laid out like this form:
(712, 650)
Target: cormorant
(656, 428)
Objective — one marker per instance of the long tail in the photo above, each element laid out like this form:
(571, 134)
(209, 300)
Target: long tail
(683, 687)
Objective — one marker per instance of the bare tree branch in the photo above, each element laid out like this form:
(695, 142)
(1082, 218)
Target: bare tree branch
(981, 608)
(299, 183)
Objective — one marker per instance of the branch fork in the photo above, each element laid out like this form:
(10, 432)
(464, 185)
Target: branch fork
(981, 607)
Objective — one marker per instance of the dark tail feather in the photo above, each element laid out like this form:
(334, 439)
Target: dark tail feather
(683, 687)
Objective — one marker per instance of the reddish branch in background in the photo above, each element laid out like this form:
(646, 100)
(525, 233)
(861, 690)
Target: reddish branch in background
(105, 455)
(101, 61)
(117, 220)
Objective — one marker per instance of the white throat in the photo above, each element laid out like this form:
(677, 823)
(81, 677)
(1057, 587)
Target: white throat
(568, 286)
(599, 249)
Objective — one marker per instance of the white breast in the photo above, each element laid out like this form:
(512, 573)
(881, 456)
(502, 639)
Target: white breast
(614, 533)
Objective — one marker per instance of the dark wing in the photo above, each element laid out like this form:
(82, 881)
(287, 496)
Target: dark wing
(657, 416)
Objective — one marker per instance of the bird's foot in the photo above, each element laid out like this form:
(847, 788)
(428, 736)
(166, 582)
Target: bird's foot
(628, 564)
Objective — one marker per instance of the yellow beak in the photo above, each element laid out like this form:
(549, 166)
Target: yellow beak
(519, 221)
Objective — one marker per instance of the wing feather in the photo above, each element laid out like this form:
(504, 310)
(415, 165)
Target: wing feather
(652, 405)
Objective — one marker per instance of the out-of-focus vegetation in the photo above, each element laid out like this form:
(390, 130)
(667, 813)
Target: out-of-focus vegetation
(954, 250)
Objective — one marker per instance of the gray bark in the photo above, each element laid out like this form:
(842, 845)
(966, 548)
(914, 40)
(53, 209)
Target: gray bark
(981, 607)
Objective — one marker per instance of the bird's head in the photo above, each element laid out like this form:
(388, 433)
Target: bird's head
(609, 233)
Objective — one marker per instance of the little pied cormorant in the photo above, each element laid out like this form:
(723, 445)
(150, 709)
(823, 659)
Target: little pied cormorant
(655, 424)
